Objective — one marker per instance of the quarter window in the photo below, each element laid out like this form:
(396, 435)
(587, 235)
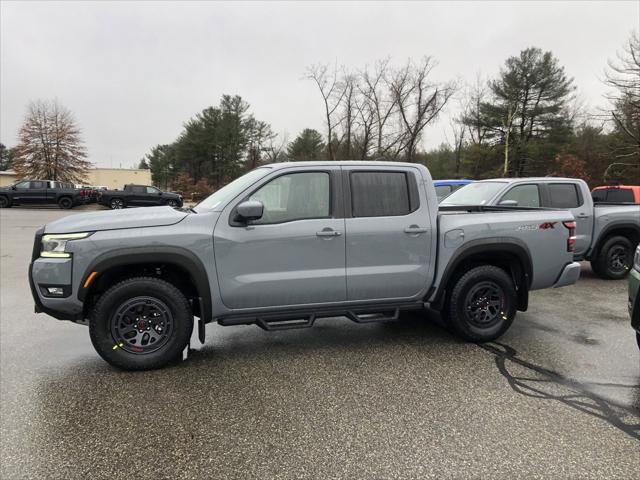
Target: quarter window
(379, 194)
(296, 196)
(525, 195)
(564, 195)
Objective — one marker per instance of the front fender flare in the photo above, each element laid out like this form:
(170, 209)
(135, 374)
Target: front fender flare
(177, 256)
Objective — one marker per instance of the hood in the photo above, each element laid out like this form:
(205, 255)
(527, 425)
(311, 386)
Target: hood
(117, 219)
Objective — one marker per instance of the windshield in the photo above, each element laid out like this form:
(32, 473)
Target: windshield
(230, 190)
(479, 193)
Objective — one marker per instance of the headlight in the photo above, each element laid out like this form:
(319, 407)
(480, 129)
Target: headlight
(636, 259)
(53, 246)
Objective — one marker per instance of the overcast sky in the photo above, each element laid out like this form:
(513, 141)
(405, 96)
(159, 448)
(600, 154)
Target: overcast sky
(132, 73)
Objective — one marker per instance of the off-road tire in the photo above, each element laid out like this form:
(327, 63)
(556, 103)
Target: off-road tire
(104, 313)
(603, 266)
(457, 311)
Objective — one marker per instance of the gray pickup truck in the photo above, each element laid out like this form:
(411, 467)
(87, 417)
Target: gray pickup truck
(606, 233)
(289, 243)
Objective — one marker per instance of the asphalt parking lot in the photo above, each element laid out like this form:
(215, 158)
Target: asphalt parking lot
(558, 396)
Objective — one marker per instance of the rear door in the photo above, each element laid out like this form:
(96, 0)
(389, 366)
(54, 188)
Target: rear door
(137, 196)
(568, 196)
(388, 231)
(293, 255)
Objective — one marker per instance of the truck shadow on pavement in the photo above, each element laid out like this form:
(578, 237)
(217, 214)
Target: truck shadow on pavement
(535, 381)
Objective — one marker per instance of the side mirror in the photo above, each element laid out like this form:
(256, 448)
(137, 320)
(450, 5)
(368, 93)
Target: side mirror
(13, 187)
(159, 193)
(509, 203)
(250, 210)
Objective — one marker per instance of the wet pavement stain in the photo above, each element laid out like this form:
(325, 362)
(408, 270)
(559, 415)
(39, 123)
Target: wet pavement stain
(568, 391)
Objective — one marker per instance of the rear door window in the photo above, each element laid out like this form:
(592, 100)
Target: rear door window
(379, 194)
(137, 189)
(564, 195)
(525, 195)
(37, 185)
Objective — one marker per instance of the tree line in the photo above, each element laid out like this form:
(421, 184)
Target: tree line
(525, 121)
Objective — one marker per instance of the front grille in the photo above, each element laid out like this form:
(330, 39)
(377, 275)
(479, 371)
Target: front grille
(37, 244)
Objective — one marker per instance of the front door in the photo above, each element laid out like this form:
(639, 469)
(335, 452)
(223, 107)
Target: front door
(389, 233)
(36, 194)
(293, 255)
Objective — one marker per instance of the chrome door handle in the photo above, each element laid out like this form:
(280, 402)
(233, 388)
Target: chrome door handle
(415, 229)
(328, 233)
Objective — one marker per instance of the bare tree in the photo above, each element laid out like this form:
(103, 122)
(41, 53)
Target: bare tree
(50, 146)
(623, 76)
(476, 94)
(458, 132)
(419, 100)
(332, 91)
(383, 104)
(276, 149)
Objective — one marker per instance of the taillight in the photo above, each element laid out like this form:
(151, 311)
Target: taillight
(571, 226)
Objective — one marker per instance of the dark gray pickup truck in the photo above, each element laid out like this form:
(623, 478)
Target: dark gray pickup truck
(138, 196)
(42, 192)
(287, 244)
(606, 233)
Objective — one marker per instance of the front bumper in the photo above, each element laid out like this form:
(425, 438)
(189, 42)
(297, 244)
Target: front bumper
(570, 275)
(44, 272)
(634, 298)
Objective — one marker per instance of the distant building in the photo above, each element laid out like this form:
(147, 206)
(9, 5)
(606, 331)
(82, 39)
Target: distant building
(111, 178)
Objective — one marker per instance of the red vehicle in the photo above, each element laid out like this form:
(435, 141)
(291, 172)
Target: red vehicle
(617, 194)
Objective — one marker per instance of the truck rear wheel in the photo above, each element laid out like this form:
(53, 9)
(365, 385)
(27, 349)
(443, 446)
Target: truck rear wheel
(482, 304)
(141, 324)
(614, 259)
(65, 203)
(116, 203)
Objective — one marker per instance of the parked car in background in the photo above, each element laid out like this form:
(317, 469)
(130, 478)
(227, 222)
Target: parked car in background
(138, 196)
(616, 194)
(445, 187)
(634, 295)
(289, 243)
(606, 234)
(42, 192)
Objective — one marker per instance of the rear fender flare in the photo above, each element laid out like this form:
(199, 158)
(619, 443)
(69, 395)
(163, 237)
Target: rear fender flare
(495, 245)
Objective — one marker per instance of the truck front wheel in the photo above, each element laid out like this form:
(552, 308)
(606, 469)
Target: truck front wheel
(4, 202)
(141, 324)
(482, 304)
(614, 259)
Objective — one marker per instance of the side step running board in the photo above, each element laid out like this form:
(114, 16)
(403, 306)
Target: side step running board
(306, 320)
